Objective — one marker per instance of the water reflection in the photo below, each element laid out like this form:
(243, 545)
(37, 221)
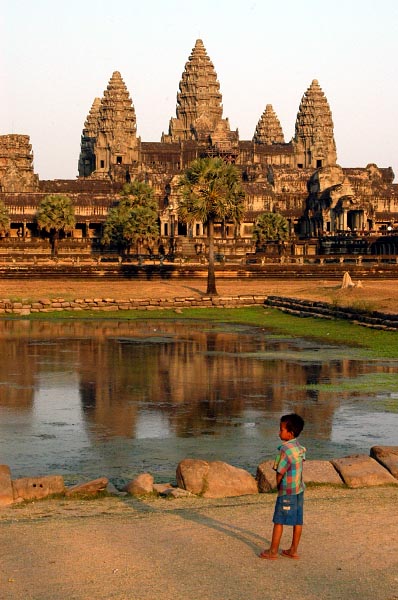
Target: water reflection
(111, 398)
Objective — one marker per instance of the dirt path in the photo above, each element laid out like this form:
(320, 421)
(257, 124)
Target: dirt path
(127, 549)
(374, 295)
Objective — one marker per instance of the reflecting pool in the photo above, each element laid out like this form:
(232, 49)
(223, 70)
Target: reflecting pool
(115, 398)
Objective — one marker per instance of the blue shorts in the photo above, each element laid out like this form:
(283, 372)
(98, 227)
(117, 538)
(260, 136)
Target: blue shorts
(289, 510)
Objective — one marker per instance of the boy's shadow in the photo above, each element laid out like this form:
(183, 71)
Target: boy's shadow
(254, 541)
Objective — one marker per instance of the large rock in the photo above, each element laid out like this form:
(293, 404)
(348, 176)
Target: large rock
(266, 477)
(6, 493)
(191, 473)
(387, 456)
(320, 471)
(361, 471)
(88, 488)
(34, 488)
(214, 479)
(141, 485)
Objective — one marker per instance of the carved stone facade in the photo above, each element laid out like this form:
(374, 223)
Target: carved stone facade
(299, 179)
(16, 164)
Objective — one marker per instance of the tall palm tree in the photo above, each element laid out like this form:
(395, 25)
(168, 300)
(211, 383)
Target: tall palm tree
(211, 192)
(55, 214)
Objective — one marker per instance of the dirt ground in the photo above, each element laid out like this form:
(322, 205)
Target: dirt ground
(373, 295)
(128, 549)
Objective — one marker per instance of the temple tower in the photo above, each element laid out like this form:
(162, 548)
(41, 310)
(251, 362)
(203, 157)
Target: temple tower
(88, 139)
(268, 130)
(109, 146)
(313, 142)
(199, 105)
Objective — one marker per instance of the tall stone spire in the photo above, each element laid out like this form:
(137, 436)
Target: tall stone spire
(268, 130)
(109, 143)
(88, 139)
(199, 103)
(314, 140)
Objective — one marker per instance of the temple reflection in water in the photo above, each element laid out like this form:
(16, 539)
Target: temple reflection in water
(109, 381)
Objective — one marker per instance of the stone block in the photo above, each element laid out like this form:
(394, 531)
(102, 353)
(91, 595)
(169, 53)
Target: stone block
(88, 488)
(6, 492)
(35, 488)
(361, 470)
(320, 471)
(386, 456)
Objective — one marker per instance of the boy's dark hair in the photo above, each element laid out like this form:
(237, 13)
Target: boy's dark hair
(294, 423)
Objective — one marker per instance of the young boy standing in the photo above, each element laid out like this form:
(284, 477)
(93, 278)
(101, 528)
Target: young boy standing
(289, 482)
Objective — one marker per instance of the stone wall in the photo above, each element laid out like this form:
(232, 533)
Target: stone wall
(8, 307)
(323, 310)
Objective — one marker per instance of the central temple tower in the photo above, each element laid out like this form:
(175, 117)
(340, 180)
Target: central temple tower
(199, 105)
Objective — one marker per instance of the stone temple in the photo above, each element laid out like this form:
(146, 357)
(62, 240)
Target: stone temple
(300, 179)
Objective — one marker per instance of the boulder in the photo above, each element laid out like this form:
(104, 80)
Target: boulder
(162, 488)
(361, 470)
(191, 473)
(320, 471)
(88, 488)
(141, 485)
(387, 456)
(214, 479)
(35, 488)
(6, 493)
(266, 477)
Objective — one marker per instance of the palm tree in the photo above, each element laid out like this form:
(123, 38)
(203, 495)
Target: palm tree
(270, 227)
(54, 215)
(4, 219)
(211, 192)
(134, 221)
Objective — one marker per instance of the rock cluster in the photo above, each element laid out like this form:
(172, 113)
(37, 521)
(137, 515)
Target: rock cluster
(214, 479)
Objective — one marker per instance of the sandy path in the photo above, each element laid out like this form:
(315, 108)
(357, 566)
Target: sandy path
(206, 549)
(375, 294)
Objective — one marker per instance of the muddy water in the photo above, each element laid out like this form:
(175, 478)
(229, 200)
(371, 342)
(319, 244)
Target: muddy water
(92, 398)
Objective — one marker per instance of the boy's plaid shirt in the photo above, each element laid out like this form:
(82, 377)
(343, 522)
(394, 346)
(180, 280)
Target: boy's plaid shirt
(289, 463)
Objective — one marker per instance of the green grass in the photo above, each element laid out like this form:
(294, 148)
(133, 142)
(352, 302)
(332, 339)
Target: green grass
(370, 382)
(378, 343)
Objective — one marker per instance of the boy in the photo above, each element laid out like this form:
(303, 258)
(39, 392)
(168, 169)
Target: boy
(289, 482)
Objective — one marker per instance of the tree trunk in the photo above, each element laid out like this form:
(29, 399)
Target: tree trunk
(211, 274)
(54, 243)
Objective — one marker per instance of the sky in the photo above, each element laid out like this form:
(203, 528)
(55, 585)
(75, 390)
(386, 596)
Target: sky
(56, 56)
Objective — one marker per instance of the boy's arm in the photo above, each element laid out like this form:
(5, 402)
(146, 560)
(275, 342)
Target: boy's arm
(279, 478)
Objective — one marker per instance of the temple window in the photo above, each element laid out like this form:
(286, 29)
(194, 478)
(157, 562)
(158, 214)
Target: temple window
(300, 165)
(118, 160)
(102, 164)
(318, 164)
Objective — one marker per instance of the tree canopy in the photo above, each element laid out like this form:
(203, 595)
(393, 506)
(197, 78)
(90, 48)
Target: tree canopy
(211, 192)
(134, 220)
(270, 227)
(4, 219)
(54, 215)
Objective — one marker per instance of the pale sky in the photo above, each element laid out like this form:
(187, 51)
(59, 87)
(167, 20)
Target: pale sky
(56, 56)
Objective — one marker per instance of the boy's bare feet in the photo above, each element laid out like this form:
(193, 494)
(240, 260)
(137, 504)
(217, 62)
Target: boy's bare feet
(267, 554)
(290, 554)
